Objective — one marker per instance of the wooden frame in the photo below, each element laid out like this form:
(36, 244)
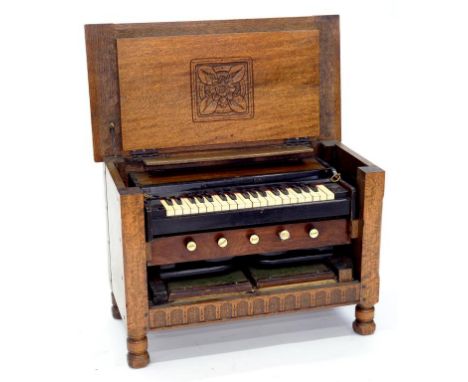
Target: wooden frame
(254, 306)
(130, 254)
(370, 182)
(127, 260)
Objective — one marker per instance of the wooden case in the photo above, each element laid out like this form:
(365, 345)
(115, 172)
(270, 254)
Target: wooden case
(167, 90)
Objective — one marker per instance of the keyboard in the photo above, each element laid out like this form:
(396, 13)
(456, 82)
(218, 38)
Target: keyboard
(244, 201)
(250, 198)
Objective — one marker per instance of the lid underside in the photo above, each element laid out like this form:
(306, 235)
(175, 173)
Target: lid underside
(186, 85)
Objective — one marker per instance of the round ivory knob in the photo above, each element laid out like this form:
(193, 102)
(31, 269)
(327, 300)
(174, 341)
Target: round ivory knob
(284, 235)
(222, 242)
(254, 239)
(191, 246)
(314, 233)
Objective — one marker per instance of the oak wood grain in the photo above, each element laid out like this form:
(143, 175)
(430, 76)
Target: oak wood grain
(136, 286)
(102, 68)
(259, 304)
(127, 250)
(157, 88)
(225, 156)
(371, 181)
(364, 323)
(103, 90)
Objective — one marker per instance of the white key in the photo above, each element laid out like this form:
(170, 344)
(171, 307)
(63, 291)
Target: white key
(216, 205)
(330, 195)
(224, 205)
(177, 209)
(208, 204)
(240, 201)
(185, 207)
(307, 195)
(273, 200)
(263, 201)
(254, 199)
(323, 195)
(232, 203)
(300, 197)
(247, 202)
(284, 198)
(292, 196)
(169, 209)
(193, 207)
(315, 195)
(201, 207)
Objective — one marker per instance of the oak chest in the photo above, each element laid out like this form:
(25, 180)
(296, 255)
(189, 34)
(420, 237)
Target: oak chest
(229, 192)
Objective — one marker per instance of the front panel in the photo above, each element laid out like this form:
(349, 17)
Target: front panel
(248, 241)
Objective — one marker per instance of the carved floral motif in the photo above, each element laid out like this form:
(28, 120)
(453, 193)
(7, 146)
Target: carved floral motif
(221, 89)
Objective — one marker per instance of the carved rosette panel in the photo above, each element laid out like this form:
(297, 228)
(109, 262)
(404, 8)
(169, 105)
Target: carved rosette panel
(222, 89)
(170, 316)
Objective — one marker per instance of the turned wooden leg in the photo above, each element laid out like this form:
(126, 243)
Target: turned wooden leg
(115, 309)
(364, 323)
(137, 356)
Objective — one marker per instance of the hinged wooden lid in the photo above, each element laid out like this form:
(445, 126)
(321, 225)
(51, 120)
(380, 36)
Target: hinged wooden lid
(187, 85)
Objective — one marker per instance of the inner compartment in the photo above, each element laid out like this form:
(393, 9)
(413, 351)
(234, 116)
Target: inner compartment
(201, 281)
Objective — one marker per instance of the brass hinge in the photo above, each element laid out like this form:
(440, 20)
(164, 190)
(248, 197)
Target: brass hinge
(144, 153)
(301, 141)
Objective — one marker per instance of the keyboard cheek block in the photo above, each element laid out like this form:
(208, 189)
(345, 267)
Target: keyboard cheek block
(248, 241)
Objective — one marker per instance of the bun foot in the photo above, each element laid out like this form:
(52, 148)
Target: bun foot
(137, 361)
(137, 356)
(364, 323)
(115, 309)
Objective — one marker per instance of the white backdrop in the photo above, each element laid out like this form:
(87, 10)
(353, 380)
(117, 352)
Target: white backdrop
(404, 106)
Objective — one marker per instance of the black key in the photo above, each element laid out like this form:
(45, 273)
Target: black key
(262, 192)
(284, 191)
(168, 201)
(222, 197)
(245, 194)
(209, 197)
(192, 199)
(275, 191)
(231, 196)
(297, 189)
(253, 194)
(199, 199)
(179, 202)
